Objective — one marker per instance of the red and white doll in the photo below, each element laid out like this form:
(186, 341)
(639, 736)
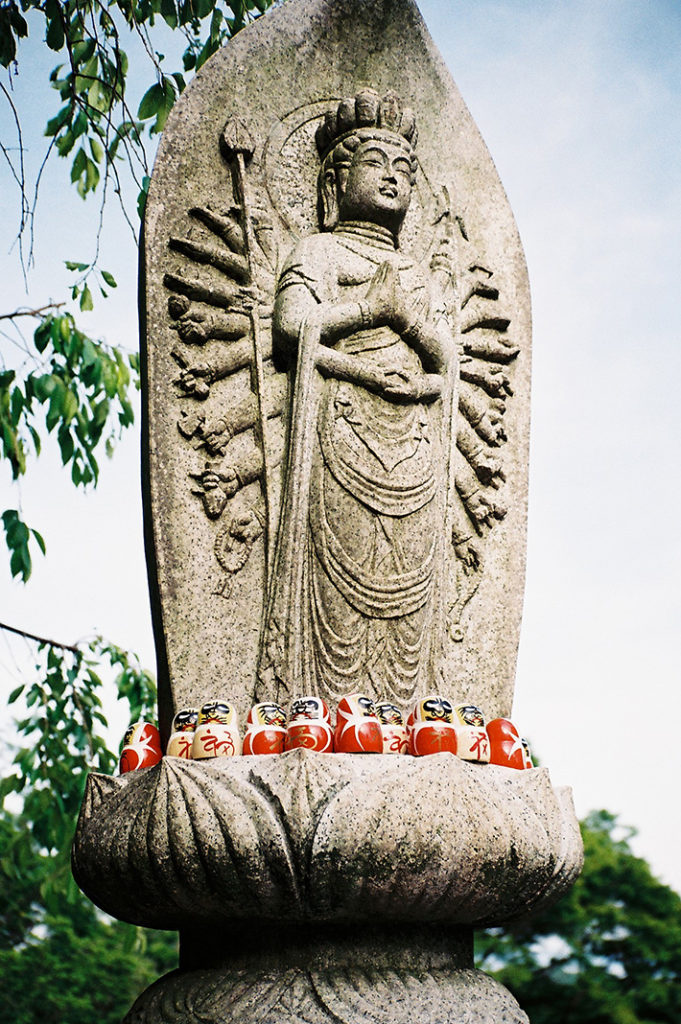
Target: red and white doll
(182, 735)
(471, 735)
(141, 747)
(393, 729)
(265, 729)
(358, 730)
(217, 731)
(505, 745)
(309, 725)
(432, 729)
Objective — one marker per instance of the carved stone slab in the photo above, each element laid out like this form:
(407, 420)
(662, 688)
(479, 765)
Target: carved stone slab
(297, 837)
(335, 482)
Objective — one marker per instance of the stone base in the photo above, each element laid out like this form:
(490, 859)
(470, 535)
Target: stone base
(313, 975)
(304, 836)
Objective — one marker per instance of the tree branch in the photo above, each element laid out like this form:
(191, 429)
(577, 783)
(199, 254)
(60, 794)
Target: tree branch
(40, 312)
(39, 639)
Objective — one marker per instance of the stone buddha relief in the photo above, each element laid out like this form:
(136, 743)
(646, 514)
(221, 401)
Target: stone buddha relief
(340, 373)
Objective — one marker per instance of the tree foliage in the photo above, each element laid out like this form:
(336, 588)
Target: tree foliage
(82, 384)
(61, 738)
(60, 959)
(608, 953)
(74, 388)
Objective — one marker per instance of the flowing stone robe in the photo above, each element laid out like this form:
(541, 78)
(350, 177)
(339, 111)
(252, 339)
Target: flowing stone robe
(361, 537)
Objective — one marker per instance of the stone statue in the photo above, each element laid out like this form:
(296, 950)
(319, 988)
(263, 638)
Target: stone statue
(336, 346)
(361, 533)
(352, 405)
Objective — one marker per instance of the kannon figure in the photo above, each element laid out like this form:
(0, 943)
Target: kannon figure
(355, 580)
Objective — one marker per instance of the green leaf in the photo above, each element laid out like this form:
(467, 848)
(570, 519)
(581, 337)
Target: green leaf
(109, 278)
(86, 302)
(41, 335)
(58, 121)
(78, 165)
(142, 197)
(17, 535)
(40, 540)
(83, 51)
(15, 694)
(169, 12)
(151, 102)
(96, 149)
(55, 32)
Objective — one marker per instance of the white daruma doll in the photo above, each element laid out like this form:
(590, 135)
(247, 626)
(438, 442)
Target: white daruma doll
(505, 745)
(433, 729)
(358, 730)
(265, 729)
(529, 763)
(309, 725)
(217, 731)
(141, 747)
(182, 735)
(471, 734)
(393, 729)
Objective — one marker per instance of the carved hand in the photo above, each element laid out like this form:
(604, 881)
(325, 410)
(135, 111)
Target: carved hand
(196, 380)
(488, 470)
(191, 331)
(387, 301)
(422, 387)
(468, 556)
(246, 527)
(483, 510)
(228, 481)
(491, 428)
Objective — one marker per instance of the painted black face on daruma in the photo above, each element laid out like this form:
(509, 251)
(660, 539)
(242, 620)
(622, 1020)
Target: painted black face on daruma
(185, 720)
(219, 711)
(469, 714)
(389, 714)
(269, 714)
(438, 709)
(307, 707)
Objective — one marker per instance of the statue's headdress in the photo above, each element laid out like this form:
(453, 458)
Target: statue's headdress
(366, 110)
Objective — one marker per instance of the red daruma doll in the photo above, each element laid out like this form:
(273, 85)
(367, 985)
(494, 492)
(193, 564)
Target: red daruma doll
(141, 747)
(309, 725)
(471, 735)
(432, 730)
(217, 732)
(265, 729)
(505, 745)
(393, 729)
(182, 735)
(358, 730)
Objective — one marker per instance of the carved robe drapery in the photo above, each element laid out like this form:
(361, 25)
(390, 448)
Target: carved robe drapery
(361, 531)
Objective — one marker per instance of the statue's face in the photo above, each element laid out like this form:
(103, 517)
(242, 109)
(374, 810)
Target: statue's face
(378, 184)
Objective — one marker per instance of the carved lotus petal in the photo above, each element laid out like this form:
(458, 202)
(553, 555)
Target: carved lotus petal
(296, 836)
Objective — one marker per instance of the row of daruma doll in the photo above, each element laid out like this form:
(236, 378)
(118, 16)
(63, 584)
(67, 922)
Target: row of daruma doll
(362, 727)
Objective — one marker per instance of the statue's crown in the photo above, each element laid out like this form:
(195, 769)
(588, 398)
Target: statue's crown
(366, 110)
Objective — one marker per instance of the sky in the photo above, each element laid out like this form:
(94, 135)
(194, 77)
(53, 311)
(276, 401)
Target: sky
(579, 103)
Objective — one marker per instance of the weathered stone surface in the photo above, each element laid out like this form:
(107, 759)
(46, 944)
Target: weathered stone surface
(309, 997)
(391, 557)
(386, 976)
(325, 837)
(336, 344)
